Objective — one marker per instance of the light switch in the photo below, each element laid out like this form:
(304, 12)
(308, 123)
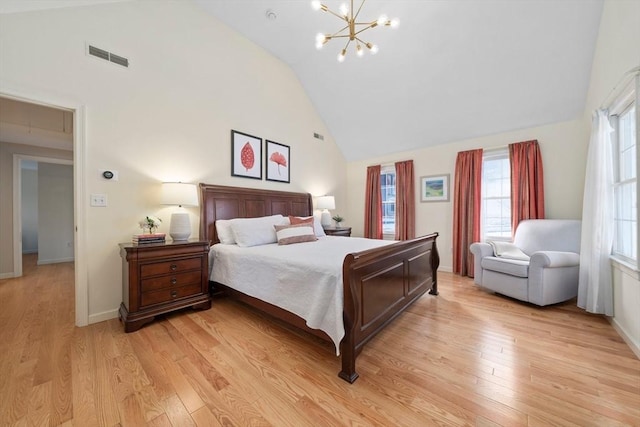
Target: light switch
(99, 200)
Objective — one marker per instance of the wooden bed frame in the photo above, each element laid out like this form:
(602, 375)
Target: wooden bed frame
(379, 283)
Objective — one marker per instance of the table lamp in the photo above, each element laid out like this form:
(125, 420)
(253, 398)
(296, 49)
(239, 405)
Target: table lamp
(325, 203)
(179, 194)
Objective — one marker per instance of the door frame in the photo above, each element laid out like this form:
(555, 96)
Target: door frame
(79, 194)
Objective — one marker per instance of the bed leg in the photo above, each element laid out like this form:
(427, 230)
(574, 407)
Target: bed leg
(350, 378)
(434, 289)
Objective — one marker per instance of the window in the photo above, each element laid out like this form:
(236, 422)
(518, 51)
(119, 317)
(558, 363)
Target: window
(388, 190)
(625, 169)
(496, 196)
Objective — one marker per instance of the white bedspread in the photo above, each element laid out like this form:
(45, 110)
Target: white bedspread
(303, 278)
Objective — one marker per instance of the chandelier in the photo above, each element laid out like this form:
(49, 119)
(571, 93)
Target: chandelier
(352, 30)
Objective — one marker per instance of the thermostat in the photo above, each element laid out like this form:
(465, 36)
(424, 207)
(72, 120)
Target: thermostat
(109, 174)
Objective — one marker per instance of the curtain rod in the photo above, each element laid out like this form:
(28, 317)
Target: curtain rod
(623, 81)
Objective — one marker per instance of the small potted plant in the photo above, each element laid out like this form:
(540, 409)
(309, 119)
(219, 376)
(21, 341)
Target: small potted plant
(151, 223)
(338, 219)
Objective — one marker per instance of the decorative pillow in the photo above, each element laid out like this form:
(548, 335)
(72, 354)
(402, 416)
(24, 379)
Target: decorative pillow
(225, 232)
(508, 250)
(297, 233)
(255, 231)
(317, 227)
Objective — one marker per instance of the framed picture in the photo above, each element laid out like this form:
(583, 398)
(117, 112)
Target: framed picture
(434, 188)
(246, 155)
(277, 162)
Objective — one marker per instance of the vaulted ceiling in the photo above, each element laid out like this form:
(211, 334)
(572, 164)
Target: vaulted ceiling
(452, 70)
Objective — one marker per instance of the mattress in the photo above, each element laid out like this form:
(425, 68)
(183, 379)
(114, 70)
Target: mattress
(304, 278)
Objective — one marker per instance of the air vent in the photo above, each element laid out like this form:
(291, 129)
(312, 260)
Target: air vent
(318, 136)
(108, 56)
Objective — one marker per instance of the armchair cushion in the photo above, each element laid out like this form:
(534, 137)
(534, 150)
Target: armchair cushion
(512, 267)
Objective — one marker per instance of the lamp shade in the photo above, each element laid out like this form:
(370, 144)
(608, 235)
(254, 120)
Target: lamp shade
(326, 202)
(179, 193)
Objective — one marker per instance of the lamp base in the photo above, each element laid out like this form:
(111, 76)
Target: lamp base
(325, 218)
(180, 228)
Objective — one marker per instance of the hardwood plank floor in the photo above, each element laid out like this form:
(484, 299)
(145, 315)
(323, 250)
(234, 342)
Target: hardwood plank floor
(464, 358)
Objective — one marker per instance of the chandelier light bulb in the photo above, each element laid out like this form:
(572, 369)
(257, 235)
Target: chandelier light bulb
(316, 5)
(320, 38)
(344, 10)
(394, 23)
(359, 50)
(382, 20)
(341, 55)
(374, 49)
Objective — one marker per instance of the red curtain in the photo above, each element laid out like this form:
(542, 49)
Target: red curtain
(527, 184)
(466, 209)
(373, 204)
(405, 201)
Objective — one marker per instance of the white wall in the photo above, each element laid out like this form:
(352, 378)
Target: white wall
(29, 183)
(55, 213)
(618, 51)
(563, 155)
(166, 118)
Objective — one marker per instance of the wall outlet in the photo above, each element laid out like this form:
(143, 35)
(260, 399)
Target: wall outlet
(99, 200)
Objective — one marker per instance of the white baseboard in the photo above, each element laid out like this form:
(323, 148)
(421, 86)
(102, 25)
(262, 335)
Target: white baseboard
(55, 261)
(7, 275)
(632, 345)
(101, 317)
(446, 269)
(29, 251)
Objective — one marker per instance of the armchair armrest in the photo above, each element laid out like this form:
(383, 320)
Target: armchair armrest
(479, 251)
(554, 259)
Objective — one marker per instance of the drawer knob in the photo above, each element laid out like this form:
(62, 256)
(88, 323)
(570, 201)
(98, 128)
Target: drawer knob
(173, 267)
(174, 294)
(174, 280)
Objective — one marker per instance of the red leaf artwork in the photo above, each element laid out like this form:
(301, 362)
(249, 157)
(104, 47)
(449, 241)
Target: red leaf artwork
(247, 158)
(279, 159)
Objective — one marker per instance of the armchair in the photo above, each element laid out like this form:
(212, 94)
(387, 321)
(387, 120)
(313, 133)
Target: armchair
(549, 276)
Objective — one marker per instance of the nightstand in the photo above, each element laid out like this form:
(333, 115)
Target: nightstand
(338, 231)
(158, 278)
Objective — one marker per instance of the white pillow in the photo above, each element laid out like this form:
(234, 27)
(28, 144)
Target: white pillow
(256, 231)
(298, 233)
(225, 232)
(508, 250)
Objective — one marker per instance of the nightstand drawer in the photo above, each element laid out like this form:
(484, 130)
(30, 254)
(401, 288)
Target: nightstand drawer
(171, 294)
(171, 281)
(174, 266)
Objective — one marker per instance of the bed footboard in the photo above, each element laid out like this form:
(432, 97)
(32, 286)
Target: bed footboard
(379, 284)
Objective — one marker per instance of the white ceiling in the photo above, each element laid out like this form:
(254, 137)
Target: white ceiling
(454, 69)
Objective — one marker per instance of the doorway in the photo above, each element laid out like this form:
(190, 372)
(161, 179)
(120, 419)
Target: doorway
(31, 147)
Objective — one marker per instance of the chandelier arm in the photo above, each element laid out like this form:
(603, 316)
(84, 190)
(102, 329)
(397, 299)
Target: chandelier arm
(358, 12)
(365, 28)
(337, 14)
(361, 41)
(339, 31)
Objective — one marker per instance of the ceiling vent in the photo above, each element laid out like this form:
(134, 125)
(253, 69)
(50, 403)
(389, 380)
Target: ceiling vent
(108, 56)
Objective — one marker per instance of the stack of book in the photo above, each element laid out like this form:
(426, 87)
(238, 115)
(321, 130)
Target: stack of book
(140, 239)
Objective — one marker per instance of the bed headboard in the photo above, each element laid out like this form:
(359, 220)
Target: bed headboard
(220, 202)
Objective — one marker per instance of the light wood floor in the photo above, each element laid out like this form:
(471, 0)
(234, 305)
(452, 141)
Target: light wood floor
(465, 357)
